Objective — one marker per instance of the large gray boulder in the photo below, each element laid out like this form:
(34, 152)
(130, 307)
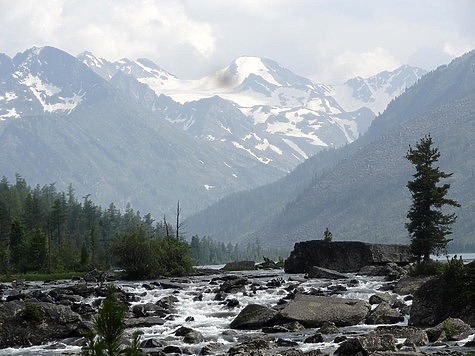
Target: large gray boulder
(315, 311)
(436, 300)
(254, 316)
(344, 256)
(26, 323)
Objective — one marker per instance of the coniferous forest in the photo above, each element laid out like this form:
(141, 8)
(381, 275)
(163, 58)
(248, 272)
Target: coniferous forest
(44, 230)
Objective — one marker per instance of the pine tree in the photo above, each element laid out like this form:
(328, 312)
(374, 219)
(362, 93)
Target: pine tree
(428, 226)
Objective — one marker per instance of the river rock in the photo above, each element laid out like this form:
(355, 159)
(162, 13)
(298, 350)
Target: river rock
(430, 306)
(344, 256)
(314, 311)
(384, 314)
(409, 285)
(254, 316)
(366, 344)
(253, 347)
(239, 266)
(451, 329)
(33, 323)
(320, 272)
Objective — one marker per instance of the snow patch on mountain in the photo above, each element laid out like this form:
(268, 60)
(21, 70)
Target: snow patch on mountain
(45, 93)
(11, 113)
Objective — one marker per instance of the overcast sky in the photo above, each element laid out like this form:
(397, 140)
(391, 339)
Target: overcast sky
(326, 40)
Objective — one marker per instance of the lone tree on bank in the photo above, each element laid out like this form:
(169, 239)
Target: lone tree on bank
(428, 226)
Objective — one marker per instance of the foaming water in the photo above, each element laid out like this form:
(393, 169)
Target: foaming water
(198, 309)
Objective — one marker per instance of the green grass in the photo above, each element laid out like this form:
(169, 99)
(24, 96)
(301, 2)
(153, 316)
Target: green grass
(40, 276)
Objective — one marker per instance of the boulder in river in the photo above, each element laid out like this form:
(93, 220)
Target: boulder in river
(254, 316)
(314, 311)
(32, 323)
(344, 256)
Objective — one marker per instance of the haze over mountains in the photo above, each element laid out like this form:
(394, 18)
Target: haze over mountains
(359, 191)
(131, 132)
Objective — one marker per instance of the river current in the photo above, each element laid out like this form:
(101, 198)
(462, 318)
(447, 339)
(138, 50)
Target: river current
(212, 318)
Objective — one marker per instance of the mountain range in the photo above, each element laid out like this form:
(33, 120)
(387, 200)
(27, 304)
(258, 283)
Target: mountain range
(359, 191)
(130, 132)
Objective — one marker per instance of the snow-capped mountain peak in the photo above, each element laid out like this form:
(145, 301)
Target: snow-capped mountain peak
(43, 80)
(377, 91)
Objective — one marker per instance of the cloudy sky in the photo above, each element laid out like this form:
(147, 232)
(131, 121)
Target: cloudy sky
(326, 40)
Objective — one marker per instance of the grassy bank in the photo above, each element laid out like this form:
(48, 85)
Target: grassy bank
(40, 276)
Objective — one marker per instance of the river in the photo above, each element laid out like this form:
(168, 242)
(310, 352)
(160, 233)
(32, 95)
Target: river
(212, 318)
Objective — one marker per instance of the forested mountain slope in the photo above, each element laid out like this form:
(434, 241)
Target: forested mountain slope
(359, 191)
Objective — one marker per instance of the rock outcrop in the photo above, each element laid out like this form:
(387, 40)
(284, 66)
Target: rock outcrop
(315, 311)
(436, 301)
(344, 256)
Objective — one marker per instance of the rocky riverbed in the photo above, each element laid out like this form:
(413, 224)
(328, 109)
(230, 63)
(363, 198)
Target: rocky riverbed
(262, 312)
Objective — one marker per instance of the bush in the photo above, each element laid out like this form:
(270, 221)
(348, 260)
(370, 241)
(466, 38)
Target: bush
(426, 268)
(33, 313)
(144, 257)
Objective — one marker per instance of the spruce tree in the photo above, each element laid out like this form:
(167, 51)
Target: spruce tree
(428, 226)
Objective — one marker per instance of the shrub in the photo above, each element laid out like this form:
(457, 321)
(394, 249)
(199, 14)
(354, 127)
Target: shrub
(426, 268)
(33, 313)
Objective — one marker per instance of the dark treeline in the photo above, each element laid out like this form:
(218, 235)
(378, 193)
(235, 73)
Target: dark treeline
(206, 251)
(44, 230)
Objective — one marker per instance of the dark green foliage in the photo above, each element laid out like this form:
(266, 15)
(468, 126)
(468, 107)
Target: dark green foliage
(44, 230)
(109, 330)
(17, 246)
(206, 251)
(37, 251)
(426, 268)
(32, 313)
(428, 226)
(327, 235)
(147, 256)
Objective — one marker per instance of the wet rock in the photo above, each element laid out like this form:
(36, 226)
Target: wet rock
(254, 316)
(320, 272)
(182, 331)
(384, 314)
(286, 343)
(170, 349)
(314, 311)
(314, 339)
(328, 328)
(390, 270)
(366, 344)
(382, 297)
(150, 344)
(413, 335)
(234, 285)
(144, 322)
(240, 266)
(253, 347)
(275, 282)
(451, 329)
(21, 323)
(433, 304)
(344, 256)
(291, 352)
(409, 285)
(193, 337)
(232, 303)
(148, 309)
(211, 348)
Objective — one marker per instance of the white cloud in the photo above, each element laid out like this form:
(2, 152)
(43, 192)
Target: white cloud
(350, 64)
(325, 40)
(456, 50)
